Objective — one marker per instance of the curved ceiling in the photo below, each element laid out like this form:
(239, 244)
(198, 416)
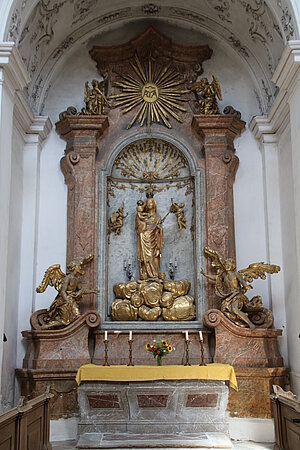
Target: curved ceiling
(46, 30)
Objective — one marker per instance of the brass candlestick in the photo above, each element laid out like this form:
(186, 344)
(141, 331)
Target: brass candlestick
(130, 341)
(187, 353)
(202, 353)
(106, 353)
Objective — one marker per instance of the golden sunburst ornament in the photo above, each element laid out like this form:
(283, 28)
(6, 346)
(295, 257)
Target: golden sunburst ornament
(154, 90)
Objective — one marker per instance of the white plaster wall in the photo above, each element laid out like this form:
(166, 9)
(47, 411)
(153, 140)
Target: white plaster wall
(249, 211)
(290, 261)
(52, 221)
(13, 270)
(6, 113)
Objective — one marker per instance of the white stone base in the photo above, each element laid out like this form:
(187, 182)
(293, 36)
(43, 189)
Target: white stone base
(177, 440)
(256, 430)
(63, 429)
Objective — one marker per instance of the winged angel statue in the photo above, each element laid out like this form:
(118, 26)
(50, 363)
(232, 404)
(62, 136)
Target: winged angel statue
(65, 308)
(94, 99)
(231, 286)
(206, 94)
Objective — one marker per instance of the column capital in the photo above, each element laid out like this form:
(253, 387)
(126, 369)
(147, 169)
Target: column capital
(212, 128)
(80, 130)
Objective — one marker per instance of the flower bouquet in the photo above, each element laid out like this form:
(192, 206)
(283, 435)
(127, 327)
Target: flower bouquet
(159, 350)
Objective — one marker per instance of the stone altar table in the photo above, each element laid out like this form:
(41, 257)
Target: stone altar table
(144, 406)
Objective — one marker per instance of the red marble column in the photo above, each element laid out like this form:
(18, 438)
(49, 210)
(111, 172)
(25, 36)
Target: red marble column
(79, 168)
(216, 134)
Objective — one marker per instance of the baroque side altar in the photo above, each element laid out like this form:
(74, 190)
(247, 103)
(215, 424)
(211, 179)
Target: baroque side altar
(150, 166)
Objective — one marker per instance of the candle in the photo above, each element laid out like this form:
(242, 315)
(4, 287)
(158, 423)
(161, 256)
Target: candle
(200, 336)
(130, 335)
(105, 335)
(125, 264)
(186, 335)
(175, 265)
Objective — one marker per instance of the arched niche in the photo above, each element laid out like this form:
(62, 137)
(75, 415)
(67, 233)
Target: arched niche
(168, 166)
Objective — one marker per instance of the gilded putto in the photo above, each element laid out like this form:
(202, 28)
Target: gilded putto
(65, 307)
(231, 286)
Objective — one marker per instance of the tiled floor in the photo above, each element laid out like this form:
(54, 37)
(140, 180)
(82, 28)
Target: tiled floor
(70, 445)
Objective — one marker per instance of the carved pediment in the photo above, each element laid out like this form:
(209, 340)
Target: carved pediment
(151, 42)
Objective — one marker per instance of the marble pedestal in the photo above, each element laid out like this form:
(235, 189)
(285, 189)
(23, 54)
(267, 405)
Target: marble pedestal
(185, 413)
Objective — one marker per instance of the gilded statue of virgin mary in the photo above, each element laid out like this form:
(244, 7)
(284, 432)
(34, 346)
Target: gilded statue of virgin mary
(149, 239)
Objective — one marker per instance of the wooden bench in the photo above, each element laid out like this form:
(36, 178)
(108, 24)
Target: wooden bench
(27, 426)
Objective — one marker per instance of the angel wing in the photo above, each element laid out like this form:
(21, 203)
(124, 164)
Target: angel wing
(54, 276)
(87, 92)
(217, 260)
(195, 86)
(258, 270)
(217, 88)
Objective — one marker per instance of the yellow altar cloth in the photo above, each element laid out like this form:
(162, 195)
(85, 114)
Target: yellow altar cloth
(220, 372)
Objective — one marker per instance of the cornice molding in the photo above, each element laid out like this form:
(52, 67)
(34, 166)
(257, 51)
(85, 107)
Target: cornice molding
(285, 77)
(30, 125)
(13, 66)
(288, 66)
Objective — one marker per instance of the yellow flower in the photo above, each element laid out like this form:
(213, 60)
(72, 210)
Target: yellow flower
(169, 348)
(165, 343)
(148, 346)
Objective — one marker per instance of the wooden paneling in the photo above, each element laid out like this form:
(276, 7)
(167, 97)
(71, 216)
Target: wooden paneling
(287, 424)
(27, 426)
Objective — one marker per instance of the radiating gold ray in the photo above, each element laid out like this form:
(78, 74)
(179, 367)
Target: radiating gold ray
(171, 83)
(128, 83)
(168, 76)
(125, 102)
(134, 118)
(151, 114)
(163, 115)
(133, 105)
(149, 69)
(174, 93)
(140, 67)
(140, 77)
(142, 115)
(170, 111)
(126, 95)
(162, 72)
(127, 89)
(174, 104)
(156, 113)
(139, 70)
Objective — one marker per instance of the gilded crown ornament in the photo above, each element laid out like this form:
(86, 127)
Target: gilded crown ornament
(231, 286)
(154, 90)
